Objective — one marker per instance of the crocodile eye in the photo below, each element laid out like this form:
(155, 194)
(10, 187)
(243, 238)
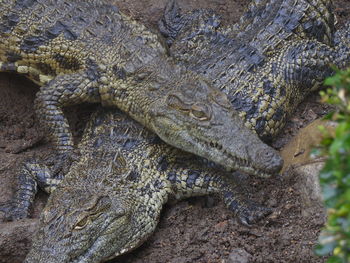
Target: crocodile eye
(173, 101)
(176, 103)
(200, 112)
(91, 213)
(200, 115)
(221, 99)
(82, 223)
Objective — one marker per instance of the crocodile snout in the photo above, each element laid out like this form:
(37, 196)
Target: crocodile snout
(272, 159)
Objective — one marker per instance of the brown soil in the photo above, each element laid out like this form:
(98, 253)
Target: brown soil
(195, 230)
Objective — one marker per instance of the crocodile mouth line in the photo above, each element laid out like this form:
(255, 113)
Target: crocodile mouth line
(239, 163)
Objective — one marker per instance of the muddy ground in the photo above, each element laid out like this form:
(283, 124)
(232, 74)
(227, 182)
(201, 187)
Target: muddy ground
(195, 230)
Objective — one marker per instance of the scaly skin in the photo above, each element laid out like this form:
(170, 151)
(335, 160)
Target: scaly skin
(110, 201)
(308, 19)
(87, 51)
(278, 53)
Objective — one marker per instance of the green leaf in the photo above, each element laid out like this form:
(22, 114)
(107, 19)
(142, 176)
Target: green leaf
(326, 249)
(335, 259)
(335, 176)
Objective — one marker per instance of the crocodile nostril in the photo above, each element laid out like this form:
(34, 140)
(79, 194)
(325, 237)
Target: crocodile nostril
(272, 160)
(267, 154)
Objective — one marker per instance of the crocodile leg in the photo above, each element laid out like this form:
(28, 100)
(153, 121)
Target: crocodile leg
(304, 67)
(295, 72)
(201, 182)
(64, 90)
(30, 177)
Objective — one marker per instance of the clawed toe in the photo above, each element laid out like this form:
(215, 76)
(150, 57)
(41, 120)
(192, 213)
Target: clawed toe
(62, 163)
(12, 213)
(252, 215)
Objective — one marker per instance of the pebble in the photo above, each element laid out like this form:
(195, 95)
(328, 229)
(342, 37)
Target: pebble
(239, 255)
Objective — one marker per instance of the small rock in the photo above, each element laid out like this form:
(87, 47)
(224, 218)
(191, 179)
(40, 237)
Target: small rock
(272, 202)
(239, 255)
(302, 167)
(309, 187)
(297, 151)
(221, 227)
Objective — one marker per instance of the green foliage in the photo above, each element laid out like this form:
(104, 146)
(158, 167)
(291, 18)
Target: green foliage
(335, 176)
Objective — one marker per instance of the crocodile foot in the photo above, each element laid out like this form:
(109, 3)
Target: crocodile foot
(12, 212)
(62, 162)
(252, 213)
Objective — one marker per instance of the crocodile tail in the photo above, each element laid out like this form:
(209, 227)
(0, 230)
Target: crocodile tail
(171, 22)
(319, 21)
(342, 46)
(312, 19)
(254, 10)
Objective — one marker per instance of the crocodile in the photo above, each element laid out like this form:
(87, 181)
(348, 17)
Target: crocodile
(88, 51)
(279, 52)
(110, 200)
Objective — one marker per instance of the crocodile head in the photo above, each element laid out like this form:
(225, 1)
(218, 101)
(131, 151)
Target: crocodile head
(199, 119)
(87, 226)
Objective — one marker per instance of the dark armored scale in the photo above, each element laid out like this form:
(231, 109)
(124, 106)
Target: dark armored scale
(87, 51)
(111, 199)
(279, 52)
